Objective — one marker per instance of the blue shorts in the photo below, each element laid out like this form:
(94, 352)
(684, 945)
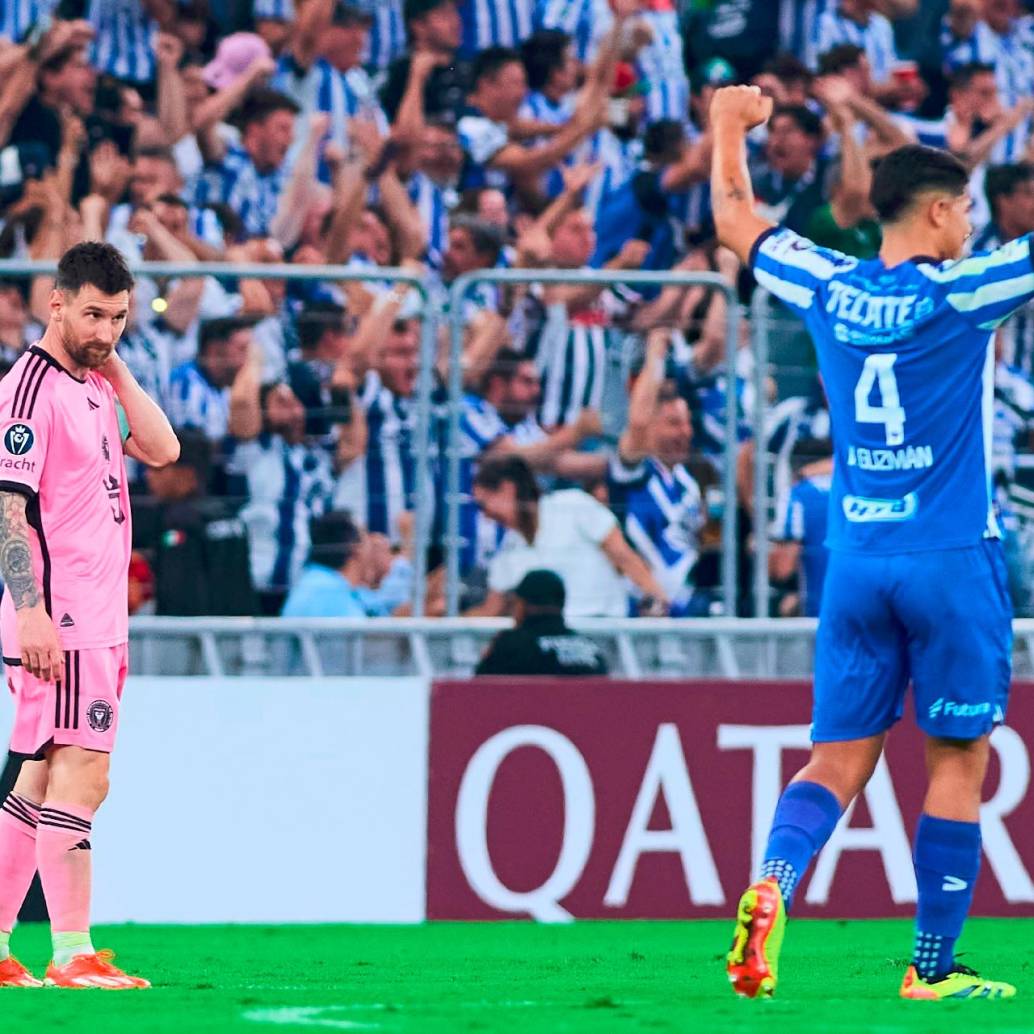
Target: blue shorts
(942, 619)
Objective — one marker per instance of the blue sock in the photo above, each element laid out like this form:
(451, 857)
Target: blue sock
(947, 860)
(805, 817)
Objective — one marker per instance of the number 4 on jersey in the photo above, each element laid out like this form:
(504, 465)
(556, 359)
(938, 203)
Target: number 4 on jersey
(879, 370)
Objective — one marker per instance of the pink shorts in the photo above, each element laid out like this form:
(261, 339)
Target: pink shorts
(79, 710)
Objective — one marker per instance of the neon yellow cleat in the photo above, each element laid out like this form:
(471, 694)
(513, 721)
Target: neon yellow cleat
(753, 959)
(961, 982)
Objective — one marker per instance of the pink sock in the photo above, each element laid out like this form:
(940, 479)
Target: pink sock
(18, 819)
(63, 856)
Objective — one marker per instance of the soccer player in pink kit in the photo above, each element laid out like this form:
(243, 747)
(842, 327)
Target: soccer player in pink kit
(69, 409)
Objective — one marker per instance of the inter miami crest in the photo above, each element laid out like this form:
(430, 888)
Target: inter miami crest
(18, 439)
(100, 715)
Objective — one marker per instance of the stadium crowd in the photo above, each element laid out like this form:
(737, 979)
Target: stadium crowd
(451, 136)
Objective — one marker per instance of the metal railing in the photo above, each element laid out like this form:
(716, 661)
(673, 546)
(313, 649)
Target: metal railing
(24, 269)
(513, 277)
(636, 648)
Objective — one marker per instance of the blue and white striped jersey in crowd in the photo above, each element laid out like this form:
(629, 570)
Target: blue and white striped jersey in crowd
(235, 181)
(805, 522)
(287, 485)
(798, 24)
(1013, 418)
(571, 354)
(1013, 63)
(18, 16)
(274, 10)
(124, 41)
(794, 419)
(875, 37)
(342, 95)
(1016, 336)
(662, 65)
(585, 21)
(482, 139)
(380, 486)
(494, 23)
(387, 37)
(481, 426)
(620, 158)
(147, 351)
(434, 203)
(194, 401)
(538, 107)
(662, 511)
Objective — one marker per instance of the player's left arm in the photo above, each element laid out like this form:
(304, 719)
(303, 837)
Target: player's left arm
(734, 111)
(151, 437)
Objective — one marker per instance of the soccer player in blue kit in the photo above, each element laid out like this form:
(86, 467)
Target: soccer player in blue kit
(916, 584)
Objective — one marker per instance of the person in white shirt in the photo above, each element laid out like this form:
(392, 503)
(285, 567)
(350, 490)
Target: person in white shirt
(568, 532)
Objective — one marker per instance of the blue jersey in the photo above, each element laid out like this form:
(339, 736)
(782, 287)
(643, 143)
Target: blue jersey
(807, 517)
(907, 361)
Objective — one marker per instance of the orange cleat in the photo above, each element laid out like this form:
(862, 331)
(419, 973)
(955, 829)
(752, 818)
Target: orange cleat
(14, 974)
(753, 961)
(93, 971)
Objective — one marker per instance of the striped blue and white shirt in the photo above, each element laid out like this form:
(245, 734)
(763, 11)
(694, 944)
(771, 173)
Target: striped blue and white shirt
(875, 37)
(494, 23)
(1013, 62)
(571, 354)
(663, 513)
(124, 41)
(235, 181)
(275, 10)
(907, 361)
(798, 24)
(434, 204)
(585, 21)
(620, 158)
(806, 521)
(18, 16)
(540, 108)
(380, 486)
(387, 37)
(287, 485)
(323, 88)
(662, 64)
(194, 401)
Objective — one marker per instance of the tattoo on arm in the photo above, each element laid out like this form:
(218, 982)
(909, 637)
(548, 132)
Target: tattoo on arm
(734, 191)
(15, 551)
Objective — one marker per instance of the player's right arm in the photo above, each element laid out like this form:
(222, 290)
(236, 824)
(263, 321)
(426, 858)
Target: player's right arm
(38, 641)
(734, 111)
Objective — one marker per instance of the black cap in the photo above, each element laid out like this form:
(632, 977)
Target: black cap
(542, 588)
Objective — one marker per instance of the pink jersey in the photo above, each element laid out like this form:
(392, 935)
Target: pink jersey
(61, 447)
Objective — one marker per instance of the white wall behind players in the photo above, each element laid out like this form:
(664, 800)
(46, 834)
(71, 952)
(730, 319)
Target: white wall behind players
(264, 800)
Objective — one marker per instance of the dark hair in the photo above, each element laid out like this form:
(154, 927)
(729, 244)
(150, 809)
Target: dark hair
(504, 366)
(315, 320)
(965, 74)
(1002, 180)
(212, 332)
(486, 237)
(95, 263)
(262, 103)
(414, 9)
(195, 453)
(491, 60)
(543, 53)
(666, 136)
(57, 61)
(836, 59)
(229, 220)
(495, 471)
(333, 538)
(805, 119)
(904, 174)
(787, 67)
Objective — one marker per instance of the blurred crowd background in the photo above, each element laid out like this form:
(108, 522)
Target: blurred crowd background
(445, 138)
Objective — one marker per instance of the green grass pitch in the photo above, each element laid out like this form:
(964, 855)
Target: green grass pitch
(453, 977)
